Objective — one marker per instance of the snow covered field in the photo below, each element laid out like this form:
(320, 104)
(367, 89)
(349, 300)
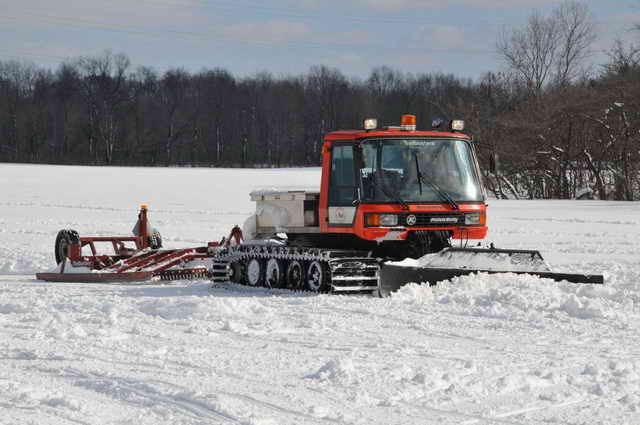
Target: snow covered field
(499, 349)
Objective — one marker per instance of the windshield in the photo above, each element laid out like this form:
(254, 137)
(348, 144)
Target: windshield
(418, 170)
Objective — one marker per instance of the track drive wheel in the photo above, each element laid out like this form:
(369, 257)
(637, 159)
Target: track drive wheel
(255, 272)
(317, 277)
(235, 272)
(295, 275)
(65, 238)
(274, 277)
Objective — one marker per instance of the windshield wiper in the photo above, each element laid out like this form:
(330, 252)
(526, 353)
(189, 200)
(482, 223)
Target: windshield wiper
(415, 157)
(443, 194)
(396, 197)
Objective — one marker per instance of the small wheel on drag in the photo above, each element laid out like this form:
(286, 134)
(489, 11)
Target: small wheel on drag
(275, 273)
(235, 272)
(316, 277)
(65, 238)
(255, 272)
(155, 239)
(295, 275)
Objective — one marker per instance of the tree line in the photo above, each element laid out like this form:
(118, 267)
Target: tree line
(554, 127)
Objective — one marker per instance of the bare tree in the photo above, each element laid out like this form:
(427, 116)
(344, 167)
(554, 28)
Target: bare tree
(173, 96)
(623, 59)
(531, 51)
(577, 35)
(103, 87)
(384, 84)
(549, 48)
(216, 119)
(65, 90)
(325, 91)
(18, 85)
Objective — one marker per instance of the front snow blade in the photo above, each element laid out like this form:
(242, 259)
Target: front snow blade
(393, 277)
(452, 262)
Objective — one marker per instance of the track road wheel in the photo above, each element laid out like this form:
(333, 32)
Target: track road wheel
(63, 240)
(275, 273)
(255, 272)
(317, 277)
(235, 272)
(295, 275)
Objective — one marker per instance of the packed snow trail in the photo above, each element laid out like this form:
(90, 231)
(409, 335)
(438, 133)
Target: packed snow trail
(499, 349)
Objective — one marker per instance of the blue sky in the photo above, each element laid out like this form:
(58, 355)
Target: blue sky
(287, 37)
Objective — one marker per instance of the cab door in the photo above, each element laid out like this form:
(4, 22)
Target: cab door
(343, 187)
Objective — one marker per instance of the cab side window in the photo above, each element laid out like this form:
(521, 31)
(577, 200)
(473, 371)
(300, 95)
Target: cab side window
(342, 181)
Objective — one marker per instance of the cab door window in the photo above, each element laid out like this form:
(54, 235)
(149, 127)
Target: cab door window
(342, 183)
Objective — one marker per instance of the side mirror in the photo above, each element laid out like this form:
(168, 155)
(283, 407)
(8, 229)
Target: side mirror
(494, 164)
(357, 197)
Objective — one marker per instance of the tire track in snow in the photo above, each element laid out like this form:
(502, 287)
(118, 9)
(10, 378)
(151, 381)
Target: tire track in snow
(142, 392)
(167, 366)
(445, 416)
(520, 411)
(279, 409)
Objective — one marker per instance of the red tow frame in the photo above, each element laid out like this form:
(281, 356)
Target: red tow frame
(134, 264)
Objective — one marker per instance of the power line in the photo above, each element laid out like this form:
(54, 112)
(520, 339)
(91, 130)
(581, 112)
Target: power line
(220, 38)
(20, 54)
(232, 8)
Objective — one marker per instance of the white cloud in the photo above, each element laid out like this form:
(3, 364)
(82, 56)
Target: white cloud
(446, 36)
(395, 5)
(398, 4)
(111, 14)
(344, 38)
(303, 4)
(367, 6)
(348, 63)
(437, 38)
(50, 49)
(276, 31)
(415, 63)
(503, 4)
(619, 26)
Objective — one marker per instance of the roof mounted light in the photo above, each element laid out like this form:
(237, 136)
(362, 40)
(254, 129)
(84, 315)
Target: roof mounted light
(457, 125)
(436, 123)
(370, 124)
(408, 122)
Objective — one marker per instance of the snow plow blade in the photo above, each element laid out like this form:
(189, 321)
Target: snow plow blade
(452, 262)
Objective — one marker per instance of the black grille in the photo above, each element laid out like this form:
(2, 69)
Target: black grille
(431, 219)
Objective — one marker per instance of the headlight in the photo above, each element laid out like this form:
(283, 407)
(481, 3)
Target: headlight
(477, 218)
(370, 124)
(388, 220)
(375, 220)
(457, 125)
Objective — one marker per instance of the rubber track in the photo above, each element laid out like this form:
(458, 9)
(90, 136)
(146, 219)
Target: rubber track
(351, 271)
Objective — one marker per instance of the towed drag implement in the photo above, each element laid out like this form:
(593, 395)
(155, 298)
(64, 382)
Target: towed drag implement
(134, 258)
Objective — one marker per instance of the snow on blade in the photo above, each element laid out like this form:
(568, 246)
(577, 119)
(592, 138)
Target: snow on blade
(480, 260)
